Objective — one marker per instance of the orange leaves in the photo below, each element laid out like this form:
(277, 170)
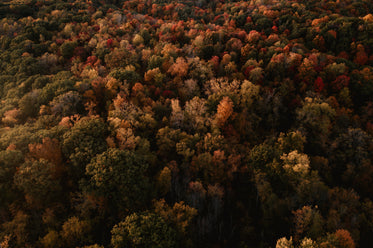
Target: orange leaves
(333, 33)
(119, 102)
(361, 57)
(317, 22)
(11, 117)
(344, 238)
(180, 68)
(225, 110)
(49, 149)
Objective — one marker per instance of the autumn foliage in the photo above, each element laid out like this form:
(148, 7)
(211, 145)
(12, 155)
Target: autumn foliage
(186, 123)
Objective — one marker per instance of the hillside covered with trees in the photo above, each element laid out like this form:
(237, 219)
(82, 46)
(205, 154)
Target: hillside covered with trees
(209, 123)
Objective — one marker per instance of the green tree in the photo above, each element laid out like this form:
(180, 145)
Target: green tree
(83, 141)
(9, 160)
(119, 175)
(67, 49)
(146, 230)
(315, 118)
(37, 180)
(75, 232)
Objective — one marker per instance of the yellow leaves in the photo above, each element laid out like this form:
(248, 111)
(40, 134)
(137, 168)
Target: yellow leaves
(198, 41)
(284, 243)
(177, 116)
(222, 86)
(51, 239)
(308, 243)
(113, 84)
(151, 74)
(137, 40)
(226, 59)
(75, 230)
(68, 29)
(124, 135)
(316, 115)
(180, 214)
(296, 162)
(291, 141)
(249, 93)
(195, 111)
(5, 243)
(183, 215)
(90, 73)
(183, 149)
(130, 68)
(127, 139)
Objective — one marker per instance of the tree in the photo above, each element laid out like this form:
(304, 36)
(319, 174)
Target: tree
(315, 118)
(308, 243)
(147, 230)
(37, 180)
(75, 232)
(67, 49)
(308, 223)
(51, 240)
(119, 176)
(29, 104)
(180, 215)
(9, 161)
(341, 238)
(49, 150)
(224, 111)
(291, 141)
(83, 141)
(177, 115)
(195, 114)
(249, 93)
(344, 211)
(17, 229)
(67, 104)
(179, 68)
(285, 243)
(297, 163)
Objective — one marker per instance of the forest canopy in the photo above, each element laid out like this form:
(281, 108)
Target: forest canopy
(166, 123)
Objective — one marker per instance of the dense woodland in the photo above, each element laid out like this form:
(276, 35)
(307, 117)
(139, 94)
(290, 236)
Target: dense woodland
(209, 123)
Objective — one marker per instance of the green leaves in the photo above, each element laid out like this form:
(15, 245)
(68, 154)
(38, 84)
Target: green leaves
(119, 175)
(36, 180)
(84, 141)
(145, 230)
